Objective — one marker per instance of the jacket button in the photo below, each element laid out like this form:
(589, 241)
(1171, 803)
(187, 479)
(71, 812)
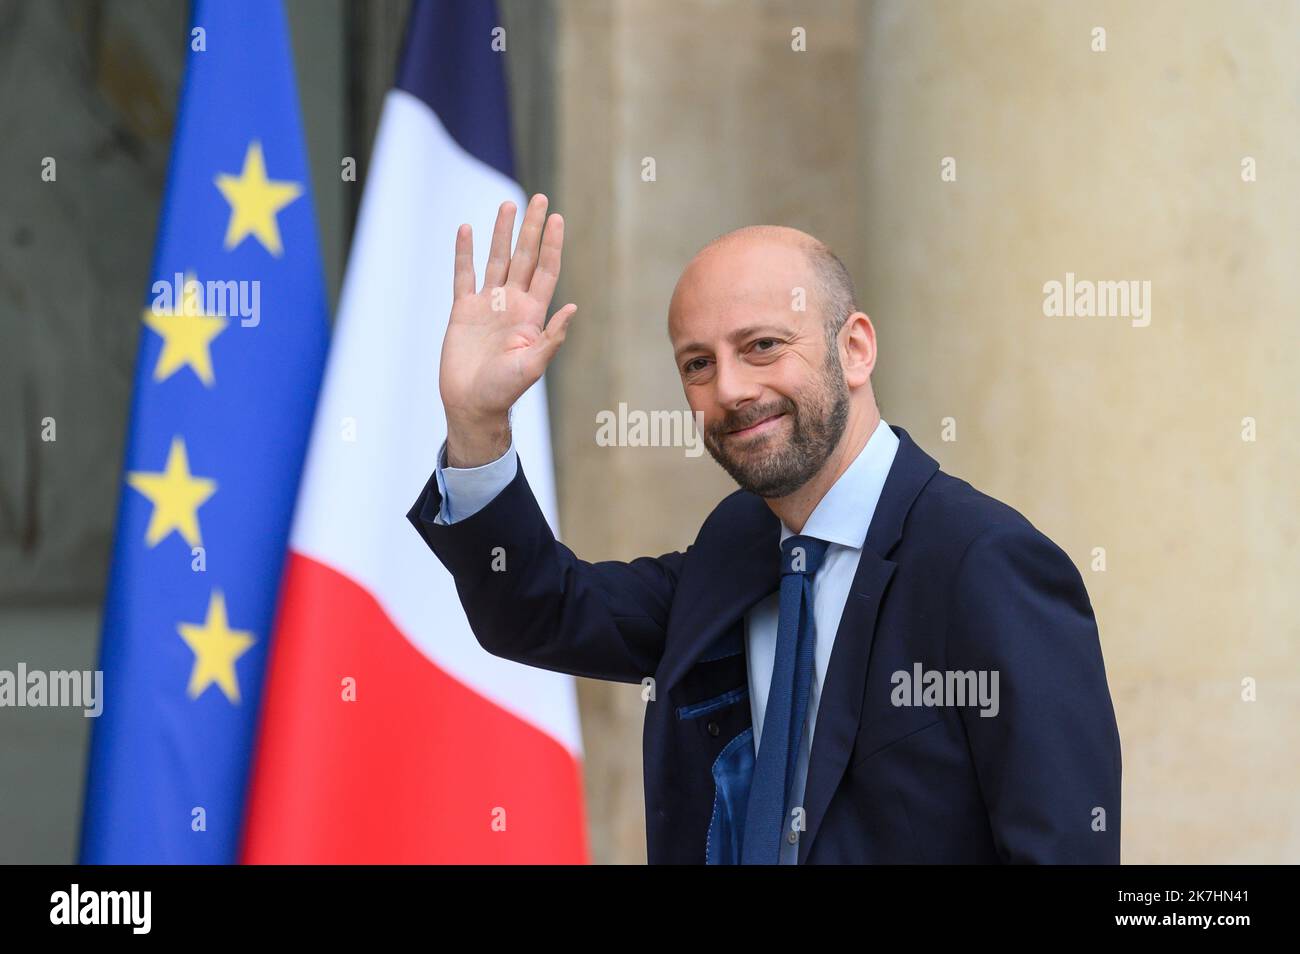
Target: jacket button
(714, 729)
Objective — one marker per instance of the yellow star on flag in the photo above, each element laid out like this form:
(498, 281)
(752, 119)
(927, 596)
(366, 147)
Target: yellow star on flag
(176, 496)
(186, 333)
(216, 647)
(254, 201)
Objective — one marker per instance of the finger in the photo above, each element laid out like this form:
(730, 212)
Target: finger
(534, 361)
(556, 329)
(463, 282)
(530, 233)
(548, 262)
(499, 258)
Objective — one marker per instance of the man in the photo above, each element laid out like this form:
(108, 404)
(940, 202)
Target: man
(859, 659)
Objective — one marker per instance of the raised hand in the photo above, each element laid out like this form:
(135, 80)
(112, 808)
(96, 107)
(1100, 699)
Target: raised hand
(498, 342)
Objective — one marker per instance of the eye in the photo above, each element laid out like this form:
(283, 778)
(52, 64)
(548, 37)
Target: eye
(695, 364)
(758, 345)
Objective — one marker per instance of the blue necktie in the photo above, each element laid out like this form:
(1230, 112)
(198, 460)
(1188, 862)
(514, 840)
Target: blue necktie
(766, 816)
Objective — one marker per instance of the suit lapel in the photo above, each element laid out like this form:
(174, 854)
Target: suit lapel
(733, 564)
(839, 713)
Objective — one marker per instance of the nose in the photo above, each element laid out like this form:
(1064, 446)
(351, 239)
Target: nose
(734, 384)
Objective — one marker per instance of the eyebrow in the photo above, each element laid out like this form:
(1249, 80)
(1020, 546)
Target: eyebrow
(738, 335)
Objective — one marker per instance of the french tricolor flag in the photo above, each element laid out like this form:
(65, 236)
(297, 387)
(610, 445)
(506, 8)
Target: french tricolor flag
(387, 734)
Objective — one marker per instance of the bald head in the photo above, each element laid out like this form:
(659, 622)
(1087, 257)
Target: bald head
(808, 262)
(776, 358)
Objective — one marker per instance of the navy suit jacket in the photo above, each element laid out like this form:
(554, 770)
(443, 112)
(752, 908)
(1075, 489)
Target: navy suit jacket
(948, 578)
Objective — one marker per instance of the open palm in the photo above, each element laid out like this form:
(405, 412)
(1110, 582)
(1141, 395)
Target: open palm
(498, 342)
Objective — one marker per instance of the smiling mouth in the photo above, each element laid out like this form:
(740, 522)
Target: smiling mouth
(761, 427)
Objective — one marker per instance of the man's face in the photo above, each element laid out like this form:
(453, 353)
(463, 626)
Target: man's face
(771, 391)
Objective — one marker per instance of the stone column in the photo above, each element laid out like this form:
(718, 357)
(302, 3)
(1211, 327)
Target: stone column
(741, 129)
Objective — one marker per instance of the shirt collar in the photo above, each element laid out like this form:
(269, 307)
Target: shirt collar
(844, 514)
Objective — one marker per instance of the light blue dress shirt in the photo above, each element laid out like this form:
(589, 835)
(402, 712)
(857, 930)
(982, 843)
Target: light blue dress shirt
(473, 487)
(841, 519)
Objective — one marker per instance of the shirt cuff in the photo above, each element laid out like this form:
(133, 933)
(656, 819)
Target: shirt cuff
(472, 488)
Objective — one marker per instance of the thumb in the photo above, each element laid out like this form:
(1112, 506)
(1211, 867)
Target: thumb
(554, 332)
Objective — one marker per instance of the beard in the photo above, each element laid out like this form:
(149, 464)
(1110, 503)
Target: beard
(765, 465)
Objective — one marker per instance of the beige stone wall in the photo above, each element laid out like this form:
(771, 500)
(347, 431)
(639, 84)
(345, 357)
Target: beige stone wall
(1124, 164)
(1116, 165)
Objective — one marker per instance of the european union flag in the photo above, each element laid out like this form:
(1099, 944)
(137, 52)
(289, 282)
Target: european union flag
(232, 348)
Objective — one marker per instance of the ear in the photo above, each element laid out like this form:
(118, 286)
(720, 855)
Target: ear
(857, 341)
